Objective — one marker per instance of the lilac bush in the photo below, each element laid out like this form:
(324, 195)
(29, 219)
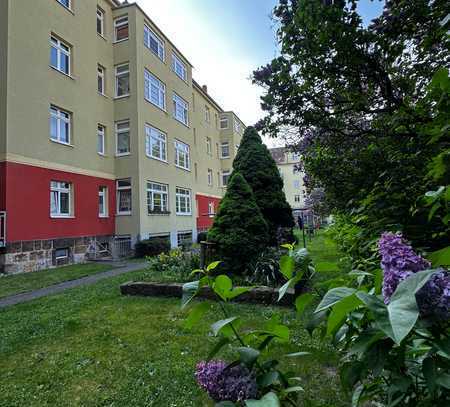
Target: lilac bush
(399, 261)
(233, 384)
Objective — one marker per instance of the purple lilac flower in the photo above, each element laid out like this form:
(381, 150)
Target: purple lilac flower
(221, 384)
(398, 261)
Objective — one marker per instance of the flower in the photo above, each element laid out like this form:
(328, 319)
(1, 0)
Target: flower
(399, 261)
(226, 384)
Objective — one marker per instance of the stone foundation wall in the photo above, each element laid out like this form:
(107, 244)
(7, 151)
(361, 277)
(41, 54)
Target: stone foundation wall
(26, 256)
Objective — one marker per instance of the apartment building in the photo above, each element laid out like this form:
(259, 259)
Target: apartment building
(105, 138)
(288, 165)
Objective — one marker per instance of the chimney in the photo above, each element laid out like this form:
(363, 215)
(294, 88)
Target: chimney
(205, 88)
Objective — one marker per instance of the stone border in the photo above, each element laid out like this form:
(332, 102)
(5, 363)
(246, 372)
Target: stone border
(258, 295)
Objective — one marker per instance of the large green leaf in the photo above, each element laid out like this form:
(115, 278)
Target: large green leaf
(379, 311)
(189, 292)
(340, 311)
(440, 257)
(225, 404)
(402, 309)
(302, 301)
(248, 355)
(217, 326)
(222, 286)
(196, 313)
(333, 296)
(269, 400)
(287, 266)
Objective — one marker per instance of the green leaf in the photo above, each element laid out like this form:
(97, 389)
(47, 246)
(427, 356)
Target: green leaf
(269, 378)
(225, 404)
(196, 271)
(433, 210)
(302, 301)
(429, 372)
(217, 326)
(287, 266)
(196, 313)
(333, 296)
(297, 354)
(403, 311)
(213, 265)
(440, 257)
(364, 341)
(356, 397)
(269, 400)
(189, 292)
(379, 311)
(340, 311)
(222, 286)
(283, 289)
(219, 345)
(248, 355)
(443, 380)
(236, 292)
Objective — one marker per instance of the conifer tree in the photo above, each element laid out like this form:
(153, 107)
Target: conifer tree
(259, 169)
(239, 230)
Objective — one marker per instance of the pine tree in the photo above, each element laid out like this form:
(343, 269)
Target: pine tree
(259, 169)
(239, 230)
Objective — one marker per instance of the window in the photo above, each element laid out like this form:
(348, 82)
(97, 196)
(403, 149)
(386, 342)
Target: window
(123, 138)
(100, 21)
(101, 139)
(101, 79)
(103, 202)
(154, 43)
(216, 120)
(65, 3)
(155, 143)
(60, 122)
(179, 67)
(121, 29)
(60, 199)
(154, 90)
(183, 201)
(184, 239)
(59, 55)
(210, 176)
(122, 80)
(208, 146)
(182, 158)
(180, 109)
(225, 150)
(297, 198)
(225, 178)
(61, 254)
(297, 184)
(124, 196)
(237, 126)
(295, 156)
(207, 114)
(211, 210)
(223, 123)
(157, 198)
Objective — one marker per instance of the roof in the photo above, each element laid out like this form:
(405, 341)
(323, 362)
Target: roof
(198, 87)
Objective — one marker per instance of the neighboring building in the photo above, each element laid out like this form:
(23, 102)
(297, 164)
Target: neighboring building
(105, 138)
(288, 165)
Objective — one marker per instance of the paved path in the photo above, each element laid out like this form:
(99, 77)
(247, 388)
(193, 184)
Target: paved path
(60, 287)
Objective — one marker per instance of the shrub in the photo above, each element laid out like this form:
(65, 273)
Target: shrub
(152, 247)
(239, 230)
(259, 169)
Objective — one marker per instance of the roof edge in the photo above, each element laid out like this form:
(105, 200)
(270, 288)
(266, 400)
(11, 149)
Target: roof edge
(196, 85)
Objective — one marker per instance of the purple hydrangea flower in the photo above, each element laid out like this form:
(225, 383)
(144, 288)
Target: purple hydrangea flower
(398, 261)
(233, 384)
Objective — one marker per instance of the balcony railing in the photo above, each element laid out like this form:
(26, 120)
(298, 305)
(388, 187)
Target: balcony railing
(2, 229)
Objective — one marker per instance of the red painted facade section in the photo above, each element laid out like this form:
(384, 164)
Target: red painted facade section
(27, 197)
(204, 218)
(2, 186)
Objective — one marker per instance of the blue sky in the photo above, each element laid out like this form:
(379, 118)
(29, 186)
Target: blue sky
(226, 40)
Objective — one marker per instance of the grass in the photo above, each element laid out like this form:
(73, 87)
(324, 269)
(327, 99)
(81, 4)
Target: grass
(19, 283)
(90, 346)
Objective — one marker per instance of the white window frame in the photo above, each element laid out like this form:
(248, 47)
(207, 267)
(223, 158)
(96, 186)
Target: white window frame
(182, 150)
(101, 132)
(223, 145)
(103, 197)
(118, 23)
(296, 184)
(101, 77)
(180, 109)
(119, 190)
(207, 114)
(117, 75)
(179, 67)
(183, 194)
(150, 34)
(225, 174)
(156, 188)
(69, 4)
(57, 188)
(62, 117)
(61, 47)
(211, 209)
(153, 136)
(210, 177)
(297, 198)
(222, 121)
(151, 82)
(208, 146)
(118, 133)
(237, 126)
(101, 19)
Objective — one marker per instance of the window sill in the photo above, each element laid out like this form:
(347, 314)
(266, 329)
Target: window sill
(121, 97)
(67, 75)
(62, 143)
(103, 216)
(103, 95)
(123, 214)
(155, 105)
(67, 8)
(183, 168)
(225, 158)
(159, 213)
(157, 159)
(103, 155)
(184, 214)
(183, 123)
(122, 154)
(102, 36)
(119, 41)
(62, 217)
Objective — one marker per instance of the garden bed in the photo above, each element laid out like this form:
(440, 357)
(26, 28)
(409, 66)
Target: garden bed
(258, 295)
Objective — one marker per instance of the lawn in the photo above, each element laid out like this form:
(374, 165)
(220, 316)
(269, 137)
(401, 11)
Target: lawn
(90, 346)
(19, 283)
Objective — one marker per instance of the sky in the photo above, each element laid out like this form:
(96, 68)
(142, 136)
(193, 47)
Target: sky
(225, 41)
